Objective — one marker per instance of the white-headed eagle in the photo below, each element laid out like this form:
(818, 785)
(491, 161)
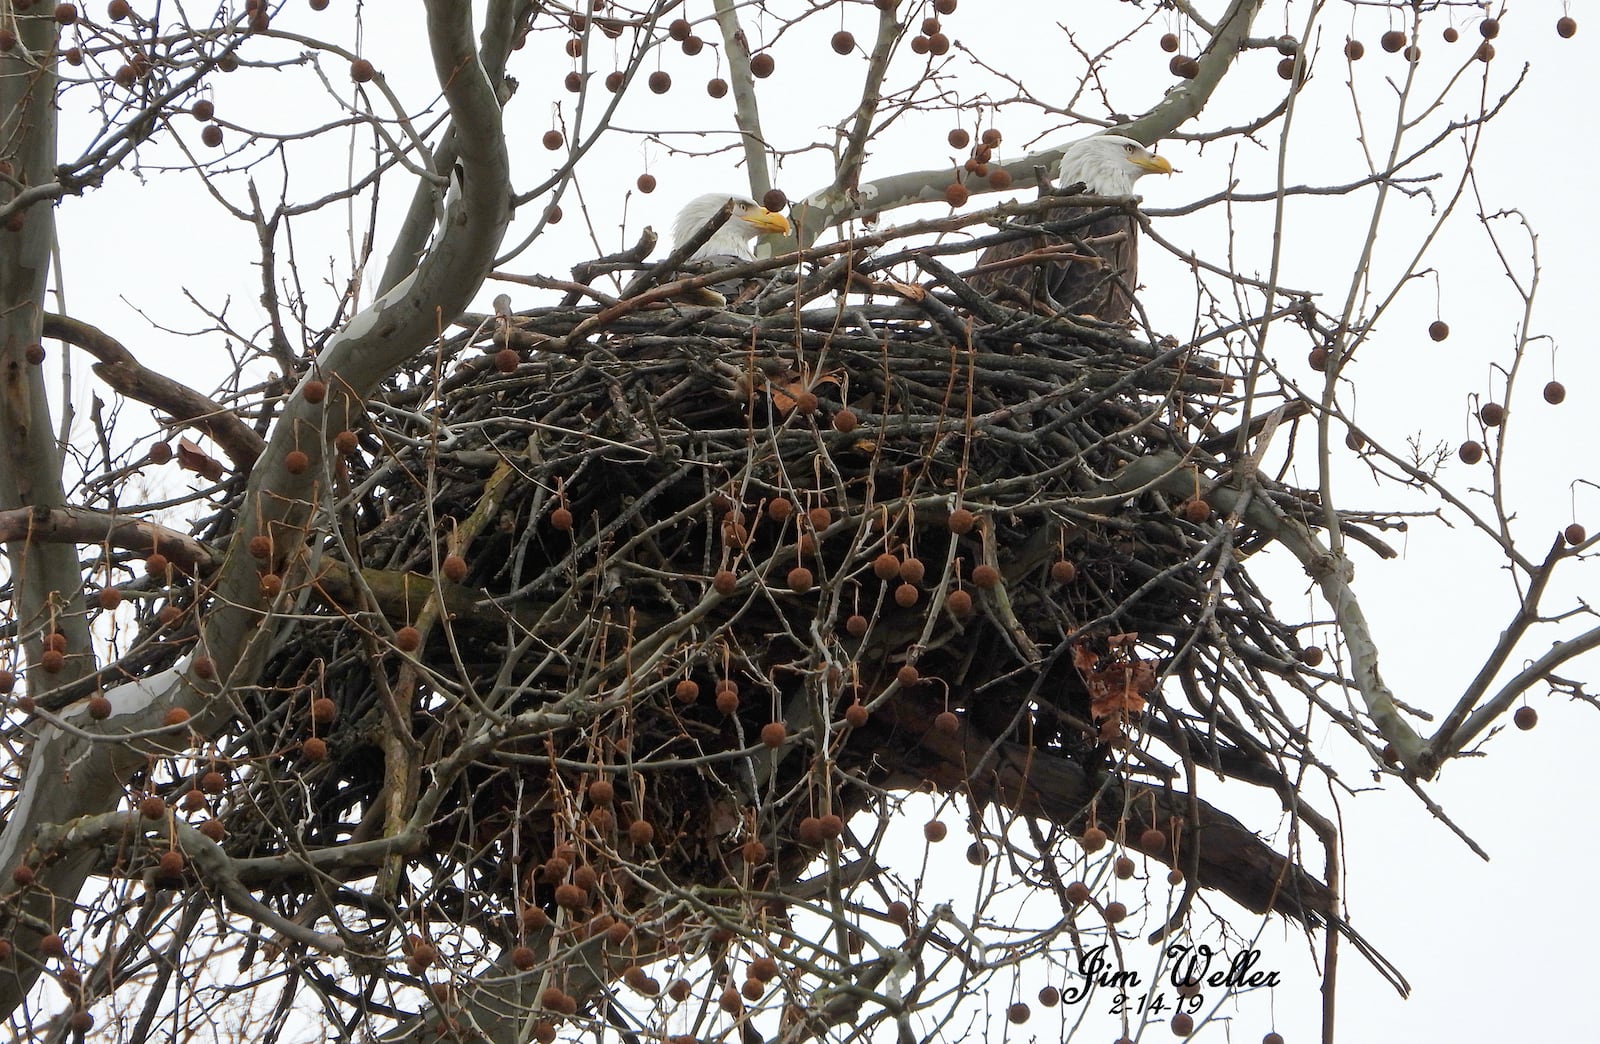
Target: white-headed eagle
(1063, 275)
(729, 244)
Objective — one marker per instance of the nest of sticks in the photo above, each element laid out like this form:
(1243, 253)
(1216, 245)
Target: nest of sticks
(723, 579)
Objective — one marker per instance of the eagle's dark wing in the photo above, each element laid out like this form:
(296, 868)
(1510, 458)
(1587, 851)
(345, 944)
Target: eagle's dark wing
(741, 294)
(1084, 270)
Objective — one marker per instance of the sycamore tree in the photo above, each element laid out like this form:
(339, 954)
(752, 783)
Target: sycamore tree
(380, 662)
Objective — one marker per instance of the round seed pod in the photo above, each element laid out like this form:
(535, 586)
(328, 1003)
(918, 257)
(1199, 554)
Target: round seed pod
(762, 65)
(1354, 49)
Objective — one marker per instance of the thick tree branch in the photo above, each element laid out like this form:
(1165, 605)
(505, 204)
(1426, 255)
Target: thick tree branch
(364, 352)
(829, 206)
(125, 374)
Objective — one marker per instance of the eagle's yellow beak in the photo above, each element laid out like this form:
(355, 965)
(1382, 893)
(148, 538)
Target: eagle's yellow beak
(1152, 164)
(766, 221)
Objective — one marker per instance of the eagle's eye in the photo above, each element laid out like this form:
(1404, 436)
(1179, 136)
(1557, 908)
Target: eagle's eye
(1129, 148)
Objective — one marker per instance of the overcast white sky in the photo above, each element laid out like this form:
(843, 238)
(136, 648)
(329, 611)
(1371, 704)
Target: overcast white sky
(1493, 950)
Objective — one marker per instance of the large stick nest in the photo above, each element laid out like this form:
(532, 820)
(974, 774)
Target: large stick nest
(754, 570)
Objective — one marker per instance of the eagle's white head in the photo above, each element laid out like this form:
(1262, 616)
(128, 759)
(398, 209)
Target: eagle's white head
(748, 220)
(1109, 164)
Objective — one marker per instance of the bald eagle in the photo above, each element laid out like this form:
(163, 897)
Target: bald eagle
(729, 244)
(1098, 281)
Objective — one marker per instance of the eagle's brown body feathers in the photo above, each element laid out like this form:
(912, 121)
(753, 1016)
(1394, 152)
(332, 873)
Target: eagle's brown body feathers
(1081, 267)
